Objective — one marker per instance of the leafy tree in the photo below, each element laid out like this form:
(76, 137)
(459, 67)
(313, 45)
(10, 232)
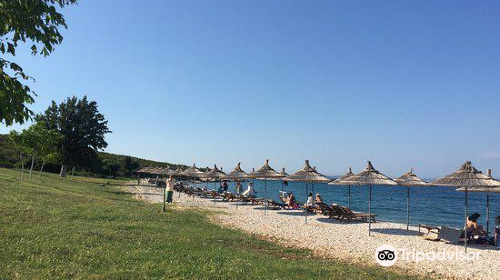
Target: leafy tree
(47, 144)
(129, 165)
(36, 22)
(17, 142)
(82, 127)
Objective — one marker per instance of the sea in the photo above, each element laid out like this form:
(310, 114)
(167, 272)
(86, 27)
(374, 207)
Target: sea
(428, 205)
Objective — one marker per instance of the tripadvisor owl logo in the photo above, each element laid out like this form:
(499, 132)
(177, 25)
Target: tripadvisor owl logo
(386, 255)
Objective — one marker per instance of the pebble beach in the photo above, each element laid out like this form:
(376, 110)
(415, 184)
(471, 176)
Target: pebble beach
(345, 241)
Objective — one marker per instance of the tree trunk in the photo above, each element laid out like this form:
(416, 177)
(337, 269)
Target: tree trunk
(72, 171)
(63, 171)
(32, 164)
(22, 165)
(41, 169)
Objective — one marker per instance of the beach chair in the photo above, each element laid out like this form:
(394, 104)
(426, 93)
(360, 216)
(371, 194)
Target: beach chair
(244, 199)
(342, 213)
(452, 235)
(256, 200)
(432, 233)
(229, 197)
(273, 205)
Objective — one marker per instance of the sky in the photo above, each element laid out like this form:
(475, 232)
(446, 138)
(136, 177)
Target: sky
(401, 83)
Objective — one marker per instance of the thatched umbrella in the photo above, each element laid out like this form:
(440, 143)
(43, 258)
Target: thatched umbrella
(215, 174)
(237, 174)
(467, 176)
(487, 190)
(409, 179)
(144, 170)
(283, 172)
(343, 178)
(308, 175)
(370, 176)
(193, 172)
(265, 172)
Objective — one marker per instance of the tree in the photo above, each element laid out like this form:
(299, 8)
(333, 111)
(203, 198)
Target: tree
(17, 142)
(36, 22)
(82, 127)
(47, 146)
(130, 165)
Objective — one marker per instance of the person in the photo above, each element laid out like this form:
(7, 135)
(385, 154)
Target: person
(497, 232)
(309, 201)
(221, 189)
(250, 191)
(472, 221)
(170, 188)
(239, 187)
(225, 187)
(318, 199)
(291, 201)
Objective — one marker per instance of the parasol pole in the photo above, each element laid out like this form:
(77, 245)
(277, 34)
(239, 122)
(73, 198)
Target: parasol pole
(487, 214)
(349, 197)
(407, 207)
(265, 196)
(164, 198)
(370, 210)
(307, 196)
(465, 227)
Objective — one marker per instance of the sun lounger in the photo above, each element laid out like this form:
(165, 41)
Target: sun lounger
(342, 213)
(452, 235)
(432, 233)
(256, 200)
(229, 197)
(273, 205)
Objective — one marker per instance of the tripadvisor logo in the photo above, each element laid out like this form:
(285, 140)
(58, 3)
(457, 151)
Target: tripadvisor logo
(387, 255)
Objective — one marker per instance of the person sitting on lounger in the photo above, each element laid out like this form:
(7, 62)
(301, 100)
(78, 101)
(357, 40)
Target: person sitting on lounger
(496, 239)
(291, 202)
(309, 206)
(318, 199)
(250, 191)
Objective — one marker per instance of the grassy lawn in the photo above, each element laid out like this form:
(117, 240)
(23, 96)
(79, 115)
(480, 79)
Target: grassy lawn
(80, 228)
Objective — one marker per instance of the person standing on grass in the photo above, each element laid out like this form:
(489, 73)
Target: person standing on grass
(170, 188)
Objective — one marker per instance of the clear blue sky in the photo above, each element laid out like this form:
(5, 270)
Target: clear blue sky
(402, 83)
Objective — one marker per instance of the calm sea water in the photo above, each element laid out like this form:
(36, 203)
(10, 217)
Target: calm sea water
(428, 205)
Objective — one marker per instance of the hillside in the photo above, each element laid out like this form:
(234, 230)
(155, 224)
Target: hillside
(110, 164)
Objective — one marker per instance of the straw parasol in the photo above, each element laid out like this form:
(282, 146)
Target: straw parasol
(265, 172)
(467, 176)
(237, 174)
(343, 178)
(487, 190)
(308, 175)
(370, 176)
(215, 174)
(193, 172)
(144, 170)
(409, 179)
(283, 172)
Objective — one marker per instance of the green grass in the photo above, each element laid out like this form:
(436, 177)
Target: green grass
(85, 229)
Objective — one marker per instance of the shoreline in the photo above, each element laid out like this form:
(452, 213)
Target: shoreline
(345, 241)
